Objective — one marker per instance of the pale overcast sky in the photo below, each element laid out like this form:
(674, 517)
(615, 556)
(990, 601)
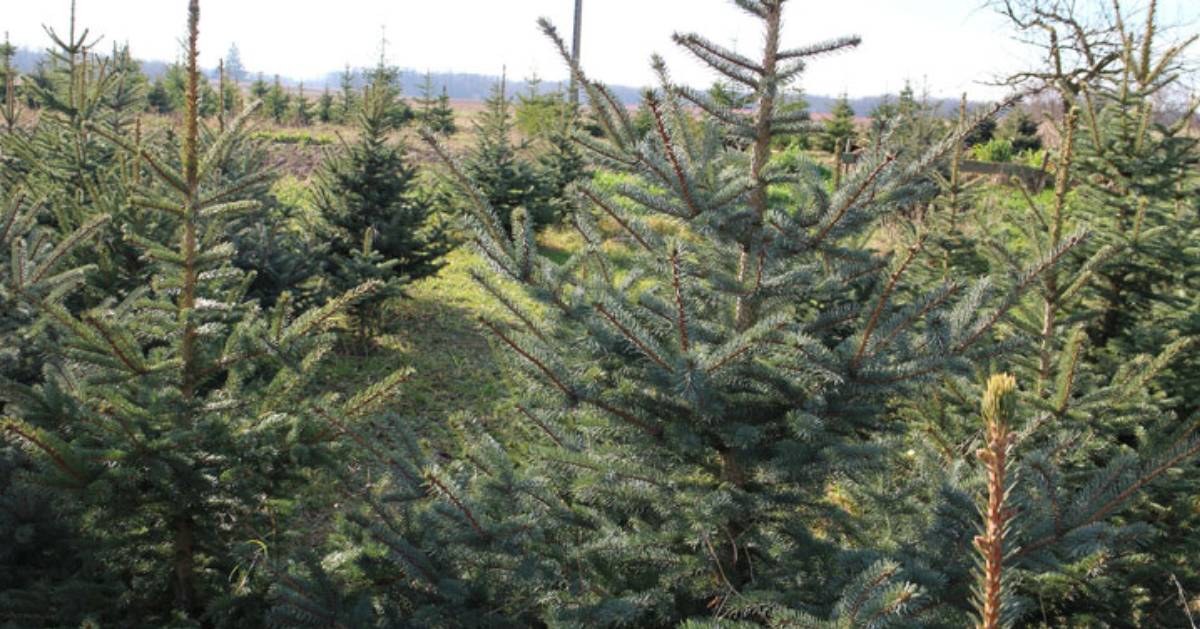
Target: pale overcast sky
(947, 46)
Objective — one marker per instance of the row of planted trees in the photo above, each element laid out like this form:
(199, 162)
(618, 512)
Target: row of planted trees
(429, 109)
(224, 92)
(750, 398)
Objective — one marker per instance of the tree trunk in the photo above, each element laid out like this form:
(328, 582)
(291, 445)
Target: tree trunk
(184, 578)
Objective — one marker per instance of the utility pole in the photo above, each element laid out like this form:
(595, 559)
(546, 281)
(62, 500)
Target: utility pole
(575, 51)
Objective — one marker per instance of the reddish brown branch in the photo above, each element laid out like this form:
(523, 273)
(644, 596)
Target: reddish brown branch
(609, 211)
(558, 383)
(675, 279)
(546, 429)
(51, 452)
(883, 298)
(1115, 502)
(845, 207)
(107, 336)
(669, 149)
(631, 337)
(653, 431)
(458, 504)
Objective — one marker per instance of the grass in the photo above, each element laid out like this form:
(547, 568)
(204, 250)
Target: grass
(435, 331)
(458, 366)
(294, 136)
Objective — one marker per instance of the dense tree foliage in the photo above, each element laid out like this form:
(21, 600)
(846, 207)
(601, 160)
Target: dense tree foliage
(728, 419)
(839, 127)
(179, 417)
(379, 225)
(724, 365)
(498, 169)
(433, 111)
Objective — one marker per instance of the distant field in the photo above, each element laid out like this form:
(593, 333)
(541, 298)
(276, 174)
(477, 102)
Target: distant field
(301, 158)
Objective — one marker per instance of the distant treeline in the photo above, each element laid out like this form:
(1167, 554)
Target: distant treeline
(467, 86)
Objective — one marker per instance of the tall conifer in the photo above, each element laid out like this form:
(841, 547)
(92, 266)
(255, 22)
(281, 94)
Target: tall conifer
(839, 127)
(181, 420)
(1092, 437)
(494, 164)
(694, 383)
(379, 226)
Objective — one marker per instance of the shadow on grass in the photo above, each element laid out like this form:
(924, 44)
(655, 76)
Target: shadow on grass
(435, 331)
(456, 368)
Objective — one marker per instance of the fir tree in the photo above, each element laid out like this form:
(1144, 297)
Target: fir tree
(76, 175)
(277, 102)
(39, 79)
(282, 260)
(234, 68)
(181, 418)
(47, 578)
(1091, 439)
(983, 133)
(1137, 191)
(425, 101)
(41, 259)
(325, 107)
(387, 77)
(349, 97)
(304, 115)
(537, 113)
(682, 417)
(442, 116)
(435, 113)
(231, 94)
(1138, 176)
(223, 107)
(883, 116)
(157, 100)
(914, 123)
(10, 110)
(500, 174)
(175, 86)
(727, 95)
(839, 127)
(260, 89)
(953, 249)
(1019, 128)
(558, 166)
(379, 227)
(272, 243)
(549, 121)
(127, 93)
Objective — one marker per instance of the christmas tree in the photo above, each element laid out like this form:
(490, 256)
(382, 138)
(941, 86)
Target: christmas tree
(11, 108)
(48, 577)
(494, 163)
(182, 417)
(695, 382)
(840, 129)
(1091, 437)
(303, 114)
(379, 226)
(75, 174)
(277, 102)
(349, 97)
(434, 112)
(325, 107)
